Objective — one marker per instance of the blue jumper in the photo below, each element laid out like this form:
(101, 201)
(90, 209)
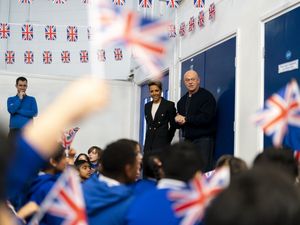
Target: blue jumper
(21, 110)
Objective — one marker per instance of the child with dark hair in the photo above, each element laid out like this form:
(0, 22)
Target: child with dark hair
(180, 163)
(281, 158)
(95, 154)
(108, 195)
(84, 169)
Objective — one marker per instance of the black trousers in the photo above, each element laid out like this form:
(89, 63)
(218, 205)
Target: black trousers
(205, 146)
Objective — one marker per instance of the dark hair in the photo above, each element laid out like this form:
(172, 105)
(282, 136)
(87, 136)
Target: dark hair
(80, 154)
(117, 155)
(156, 83)
(20, 79)
(79, 163)
(223, 160)
(57, 157)
(281, 158)
(261, 196)
(181, 161)
(98, 149)
(150, 166)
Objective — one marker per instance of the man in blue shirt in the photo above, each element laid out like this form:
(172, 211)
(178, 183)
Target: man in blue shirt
(22, 108)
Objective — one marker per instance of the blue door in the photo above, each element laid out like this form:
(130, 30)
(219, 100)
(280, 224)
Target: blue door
(216, 67)
(282, 45)
(145, 97)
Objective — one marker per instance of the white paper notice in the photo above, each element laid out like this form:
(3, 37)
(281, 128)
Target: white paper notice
(289, 66)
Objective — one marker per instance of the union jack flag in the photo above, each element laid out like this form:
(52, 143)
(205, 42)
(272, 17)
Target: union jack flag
(101, 55)
(172, 3)
(182, 29)
(27, 32)
(145, 37)
(118, 54)
(25, 1)
(65, 57)
(191, 204)
(59, 1)
(4, 31)
(9, 57)
(84, 56)
(280, 119)
(212, 11)
(65, 200)
(192, 24)
(118, 2)
(199, 3)
(172, 30)
(68, 137)
(201, 20)
(72, 33)
(145, 3)
(28, 57)
(50, 32)
(47, 57)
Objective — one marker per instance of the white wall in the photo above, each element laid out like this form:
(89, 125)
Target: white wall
(115, 121)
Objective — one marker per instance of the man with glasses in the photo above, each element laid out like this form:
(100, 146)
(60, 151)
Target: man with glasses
(197, 117)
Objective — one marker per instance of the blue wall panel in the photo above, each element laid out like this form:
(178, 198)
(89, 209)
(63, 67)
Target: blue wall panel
(216, 67)
(282, 45)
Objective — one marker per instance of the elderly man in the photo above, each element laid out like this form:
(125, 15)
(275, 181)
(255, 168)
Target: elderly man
(197, 117)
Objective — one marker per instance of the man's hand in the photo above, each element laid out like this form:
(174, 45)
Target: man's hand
(21, 94)
(180, 119)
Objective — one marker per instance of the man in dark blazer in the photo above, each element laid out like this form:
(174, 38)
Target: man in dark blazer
(160, 117)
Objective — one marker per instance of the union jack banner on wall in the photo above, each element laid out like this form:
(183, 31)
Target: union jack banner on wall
(172, 31)
(50, 32)
(172, 3)
(118, 2)
(59, 1)
(145, 3)
(212, 11)
(47, 57)
(199, 3)
(28, 57)
(4, 30)
(201, 19)
(192, 24)
(27, 32)
(84, 56)
(65, 57)
(9, 57)
(182, 29)
(72, 33)
(118, 54)
(25, 1)
(101, 55)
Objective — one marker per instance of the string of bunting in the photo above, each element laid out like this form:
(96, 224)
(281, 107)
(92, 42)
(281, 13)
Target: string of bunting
(64, 55)
(142, 3)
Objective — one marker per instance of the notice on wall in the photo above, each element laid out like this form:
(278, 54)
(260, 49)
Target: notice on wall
(289, 66)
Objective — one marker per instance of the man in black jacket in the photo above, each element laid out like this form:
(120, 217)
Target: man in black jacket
(197, 117)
